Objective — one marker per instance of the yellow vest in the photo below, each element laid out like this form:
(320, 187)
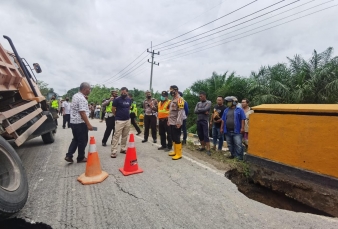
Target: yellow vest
(163, 109)
(109, 107)
(133, 108)
(55, 104)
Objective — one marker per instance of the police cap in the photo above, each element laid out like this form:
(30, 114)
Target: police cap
(164, 94)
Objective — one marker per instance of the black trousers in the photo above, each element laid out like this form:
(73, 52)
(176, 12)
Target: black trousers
(165, 133)
(66, 119)
(110, 126)
(176, 134)
(79, 141)
(133, 122)
(102, 115)
(150, 122)
(184, 130)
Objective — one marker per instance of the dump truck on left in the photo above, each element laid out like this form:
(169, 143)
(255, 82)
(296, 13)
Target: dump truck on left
(24, 114)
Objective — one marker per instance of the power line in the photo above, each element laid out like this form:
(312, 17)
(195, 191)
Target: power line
(235, 30)
(178, 56)
(209, 22)
(200, 14)
(251, 29)
(161, 49)
(124, 75)
(116, 76)
(126, 66)
(136, 73)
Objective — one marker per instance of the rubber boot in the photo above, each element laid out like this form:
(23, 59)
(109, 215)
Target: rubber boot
(178, 150)
(173, 153)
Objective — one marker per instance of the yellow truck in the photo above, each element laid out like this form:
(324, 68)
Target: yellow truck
(24, 115)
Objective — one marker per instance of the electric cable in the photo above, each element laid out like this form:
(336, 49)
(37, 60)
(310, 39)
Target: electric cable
(248, 30)
(178, 56)
(237, 29)
(122, 76)
(161, 48)
(116, 76)
(126, 66)
(210, 22)
(199, 15)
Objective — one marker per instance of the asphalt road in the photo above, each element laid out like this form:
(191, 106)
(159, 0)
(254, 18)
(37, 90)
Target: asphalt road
(168, 194)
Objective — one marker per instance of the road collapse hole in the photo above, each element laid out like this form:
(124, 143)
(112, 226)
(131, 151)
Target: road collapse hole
(17, 223)
(267, 196)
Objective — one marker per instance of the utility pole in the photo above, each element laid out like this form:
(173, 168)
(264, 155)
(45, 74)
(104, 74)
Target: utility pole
(152, 63)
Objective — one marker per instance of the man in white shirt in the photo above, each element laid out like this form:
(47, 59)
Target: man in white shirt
(79, 124)
(66, 113)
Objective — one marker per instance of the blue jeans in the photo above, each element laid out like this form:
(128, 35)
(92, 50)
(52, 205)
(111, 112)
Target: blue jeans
(234, 142)
(217, 136)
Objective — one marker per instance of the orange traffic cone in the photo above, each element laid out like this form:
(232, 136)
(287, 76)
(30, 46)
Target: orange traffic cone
(93, 173)
(130, 163)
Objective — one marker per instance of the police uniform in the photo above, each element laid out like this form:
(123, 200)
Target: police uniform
(55, 106)
(163, 128)
(176, 114)
(110, 121)
(133, 115)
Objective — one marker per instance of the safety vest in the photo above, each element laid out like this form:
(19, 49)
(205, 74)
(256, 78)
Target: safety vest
(133, 108)
(109, 107)
(55, 104)
(163, 109)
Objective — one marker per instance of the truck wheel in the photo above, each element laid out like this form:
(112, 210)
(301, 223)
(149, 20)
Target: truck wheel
(48, 137)
(13, 181)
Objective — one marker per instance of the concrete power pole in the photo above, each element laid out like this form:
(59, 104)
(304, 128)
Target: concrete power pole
(152, 64)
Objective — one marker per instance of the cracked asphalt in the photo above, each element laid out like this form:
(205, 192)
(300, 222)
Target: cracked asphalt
(168, 194)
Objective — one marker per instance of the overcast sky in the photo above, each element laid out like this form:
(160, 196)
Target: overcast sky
(83, 40)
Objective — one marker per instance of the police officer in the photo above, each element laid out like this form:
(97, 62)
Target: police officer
(150, 113)
(163, 128)
(175, 121)
(133, 115)
(110, 118)
(55, 105)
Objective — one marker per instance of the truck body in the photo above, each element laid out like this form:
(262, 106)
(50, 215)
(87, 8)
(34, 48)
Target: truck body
(24, 115)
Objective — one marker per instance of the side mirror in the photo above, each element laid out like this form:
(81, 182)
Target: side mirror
(37, 68)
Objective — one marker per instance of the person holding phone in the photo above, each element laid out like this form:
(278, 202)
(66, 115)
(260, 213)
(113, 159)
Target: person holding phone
(175, 121)
(80, 124)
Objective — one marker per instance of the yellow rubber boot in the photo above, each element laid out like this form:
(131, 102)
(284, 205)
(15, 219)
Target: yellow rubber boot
(178, 150)
(173, 153)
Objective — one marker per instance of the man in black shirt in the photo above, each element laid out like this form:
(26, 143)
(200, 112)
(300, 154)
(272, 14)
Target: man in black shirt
(216, 121)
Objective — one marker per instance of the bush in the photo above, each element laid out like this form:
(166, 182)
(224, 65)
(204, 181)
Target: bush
(193, 129)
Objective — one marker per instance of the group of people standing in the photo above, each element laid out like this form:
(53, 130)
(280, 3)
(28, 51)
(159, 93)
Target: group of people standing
(170, 114)
(227, 120)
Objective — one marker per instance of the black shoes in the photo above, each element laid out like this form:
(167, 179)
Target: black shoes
(123, 151)
(201, 149)
(168, 149)
(104, 144)
(143, 141)
(68, 159)
(184, 142)
(208, 153)
(139, 133)
(83, 160)
(161, 148)
(155, 141)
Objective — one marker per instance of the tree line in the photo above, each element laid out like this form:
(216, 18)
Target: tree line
(298, 81)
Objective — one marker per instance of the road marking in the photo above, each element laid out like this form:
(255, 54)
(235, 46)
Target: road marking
(193, 161)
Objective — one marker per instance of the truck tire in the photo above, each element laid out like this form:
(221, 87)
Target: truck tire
(48, 137)
(13, 181)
